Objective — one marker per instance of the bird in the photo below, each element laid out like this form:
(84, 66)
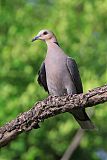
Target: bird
(59, 75)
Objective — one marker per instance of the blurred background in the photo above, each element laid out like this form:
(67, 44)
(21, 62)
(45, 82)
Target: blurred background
(81, 29)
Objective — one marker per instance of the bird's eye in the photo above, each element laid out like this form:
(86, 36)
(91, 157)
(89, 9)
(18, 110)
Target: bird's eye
(45, 33)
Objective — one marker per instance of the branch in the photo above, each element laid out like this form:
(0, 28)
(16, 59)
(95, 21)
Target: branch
(73, 145)
(49, 107)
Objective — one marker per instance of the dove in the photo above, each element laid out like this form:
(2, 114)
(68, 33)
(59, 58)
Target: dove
(59, 75)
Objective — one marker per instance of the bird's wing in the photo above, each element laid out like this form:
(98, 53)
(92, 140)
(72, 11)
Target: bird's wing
(74, 72)
(42, 77)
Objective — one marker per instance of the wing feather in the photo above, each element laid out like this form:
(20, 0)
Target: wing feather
(74, 72)
(42, 77)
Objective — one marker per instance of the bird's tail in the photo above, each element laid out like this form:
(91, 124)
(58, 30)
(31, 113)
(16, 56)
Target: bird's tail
(82, 118)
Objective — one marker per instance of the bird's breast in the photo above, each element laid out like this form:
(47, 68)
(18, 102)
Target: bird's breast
(55, 65)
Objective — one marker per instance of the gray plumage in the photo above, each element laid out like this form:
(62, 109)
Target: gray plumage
(42, 77)
(59, 75)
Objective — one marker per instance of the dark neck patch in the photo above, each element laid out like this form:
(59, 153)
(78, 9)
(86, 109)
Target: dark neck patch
(56, 43)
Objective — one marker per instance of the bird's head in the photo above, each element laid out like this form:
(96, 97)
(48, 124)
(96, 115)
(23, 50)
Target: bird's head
(45, 35)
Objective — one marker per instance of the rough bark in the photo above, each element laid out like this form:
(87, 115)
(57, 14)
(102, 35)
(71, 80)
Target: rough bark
(47, 108)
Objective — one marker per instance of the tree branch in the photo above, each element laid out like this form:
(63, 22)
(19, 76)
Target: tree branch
(49, 107)
(73, 145)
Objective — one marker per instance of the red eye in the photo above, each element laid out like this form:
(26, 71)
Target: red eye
(45, 33)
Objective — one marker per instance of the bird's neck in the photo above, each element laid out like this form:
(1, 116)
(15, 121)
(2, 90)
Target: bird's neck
(52, 41)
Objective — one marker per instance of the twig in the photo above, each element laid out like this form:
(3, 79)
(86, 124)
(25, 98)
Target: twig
(74, 144)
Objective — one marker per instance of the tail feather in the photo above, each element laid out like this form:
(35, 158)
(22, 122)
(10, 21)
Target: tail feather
(86, 124)
(82, 118)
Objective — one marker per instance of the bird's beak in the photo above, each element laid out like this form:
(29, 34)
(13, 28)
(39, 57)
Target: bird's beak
(35, 38)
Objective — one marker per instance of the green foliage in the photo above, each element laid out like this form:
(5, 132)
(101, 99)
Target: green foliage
(81, 28)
